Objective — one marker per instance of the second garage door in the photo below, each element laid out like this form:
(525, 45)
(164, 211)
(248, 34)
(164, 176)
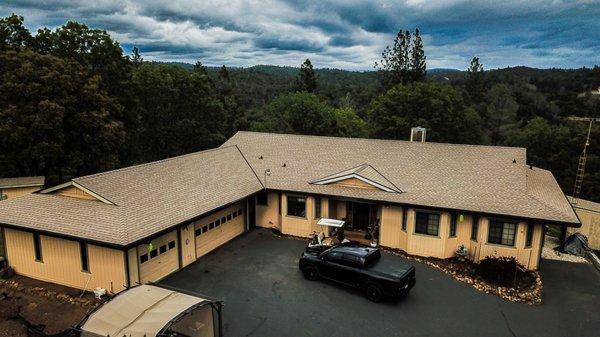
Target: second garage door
(213, 231)
(159, 258)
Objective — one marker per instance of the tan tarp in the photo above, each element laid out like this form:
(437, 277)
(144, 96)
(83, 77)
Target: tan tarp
(138, 312)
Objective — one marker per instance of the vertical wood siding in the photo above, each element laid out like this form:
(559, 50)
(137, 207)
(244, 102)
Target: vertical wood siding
(18, 191)
(268, 216)
(297, 226)
(61, 262)
(74, 192)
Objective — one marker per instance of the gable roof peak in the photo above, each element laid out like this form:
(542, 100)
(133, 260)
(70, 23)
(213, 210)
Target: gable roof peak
(364, 172)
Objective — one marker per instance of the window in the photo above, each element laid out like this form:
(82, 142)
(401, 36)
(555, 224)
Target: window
(296, 206)
(228, 217)
(218, 223)
(502, 233)
(234, 214)
(427, 223)
(83, 252)
(162, 249)
(240, 211)
(204, 229)
(404, 214)
(223, 220)
(144, 258)
(452, 225)
(171, 245)
(317, 207)
(2, 195)
(153, 253)
(529, 237)
(261, 198)
(474, 228)
(211, 225)
(351, 260)
(198, 231)
(37, 247)
(334, 257)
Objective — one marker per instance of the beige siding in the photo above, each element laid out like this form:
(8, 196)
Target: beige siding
(268, 216)
(590, 226)
(134, 267)
(527, 256)
(163, 264)
(353, 182)
(18, 191)
(188, 245)
(297, 226)
(391, 227)
(62, 263)
(425, 245)
(218, 235)
(74, 192)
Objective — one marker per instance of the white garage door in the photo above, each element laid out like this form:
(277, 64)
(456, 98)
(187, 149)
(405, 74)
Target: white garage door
(215, 230)
(159, 258)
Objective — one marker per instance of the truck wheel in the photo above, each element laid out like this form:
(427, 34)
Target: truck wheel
(373, 292)
(310, 273)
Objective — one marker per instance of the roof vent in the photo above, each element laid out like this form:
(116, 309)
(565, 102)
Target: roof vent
(417, 134)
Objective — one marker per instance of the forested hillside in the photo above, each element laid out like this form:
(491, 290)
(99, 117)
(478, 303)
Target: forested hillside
(73, 103)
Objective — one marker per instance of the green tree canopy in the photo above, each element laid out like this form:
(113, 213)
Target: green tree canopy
(179, 111)
(439, 108)
(305, 113)
(60, 119)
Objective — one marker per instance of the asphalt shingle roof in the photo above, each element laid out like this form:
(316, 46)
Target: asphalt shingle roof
(21, 182)
(147, 198)
(487, 179)
(153, 197)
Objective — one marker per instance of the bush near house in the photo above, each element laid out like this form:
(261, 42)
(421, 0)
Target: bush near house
(504, 271)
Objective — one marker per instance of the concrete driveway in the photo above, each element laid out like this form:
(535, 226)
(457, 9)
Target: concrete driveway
(265, 294)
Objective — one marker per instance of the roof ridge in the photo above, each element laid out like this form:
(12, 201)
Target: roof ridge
(250, 166)
(379, 140)
(151, 163)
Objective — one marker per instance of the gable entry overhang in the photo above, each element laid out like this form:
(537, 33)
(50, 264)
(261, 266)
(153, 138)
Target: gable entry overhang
(365, 173)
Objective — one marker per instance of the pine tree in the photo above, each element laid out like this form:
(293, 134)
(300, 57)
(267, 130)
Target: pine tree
(136, 57)
(200, 68)
(475, 84)
(306, 81)
(402, 62)
(418, 64)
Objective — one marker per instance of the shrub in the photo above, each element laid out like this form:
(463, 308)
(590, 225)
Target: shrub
(502, 271)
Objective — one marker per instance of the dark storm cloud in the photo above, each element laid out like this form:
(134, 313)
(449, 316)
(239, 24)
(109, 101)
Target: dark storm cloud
(336, 33)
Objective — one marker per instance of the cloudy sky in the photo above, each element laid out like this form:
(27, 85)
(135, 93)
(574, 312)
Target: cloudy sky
(340, 34)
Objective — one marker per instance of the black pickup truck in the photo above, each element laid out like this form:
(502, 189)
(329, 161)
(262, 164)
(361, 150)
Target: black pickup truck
(361, 267)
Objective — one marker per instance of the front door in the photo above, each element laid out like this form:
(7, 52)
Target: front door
(360, 215)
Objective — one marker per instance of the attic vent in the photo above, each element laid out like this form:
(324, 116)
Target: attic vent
(417, 134)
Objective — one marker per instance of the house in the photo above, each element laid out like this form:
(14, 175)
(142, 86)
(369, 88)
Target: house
(141, 223)
(589, 214)
(16, 187)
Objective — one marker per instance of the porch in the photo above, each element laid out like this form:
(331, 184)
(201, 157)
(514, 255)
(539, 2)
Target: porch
(361, 219)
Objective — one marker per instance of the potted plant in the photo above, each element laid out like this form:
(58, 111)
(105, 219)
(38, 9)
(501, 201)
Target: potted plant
(461, 253)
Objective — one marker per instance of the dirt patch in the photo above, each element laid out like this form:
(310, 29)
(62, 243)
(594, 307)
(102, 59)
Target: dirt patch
(56, 307)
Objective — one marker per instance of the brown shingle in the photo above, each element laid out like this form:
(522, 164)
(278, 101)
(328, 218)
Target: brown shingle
(148, 198)
(464, 177)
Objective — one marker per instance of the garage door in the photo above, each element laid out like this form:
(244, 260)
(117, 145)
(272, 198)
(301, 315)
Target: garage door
(215, 230)
(159, 258)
